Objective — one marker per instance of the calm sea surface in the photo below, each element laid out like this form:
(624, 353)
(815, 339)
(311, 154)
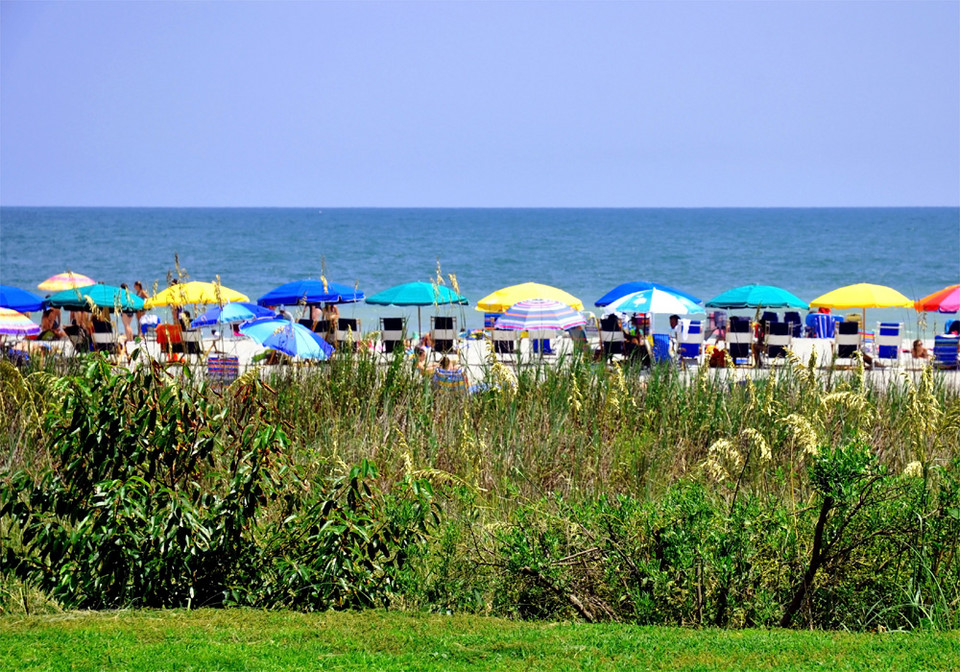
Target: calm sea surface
(584, 251)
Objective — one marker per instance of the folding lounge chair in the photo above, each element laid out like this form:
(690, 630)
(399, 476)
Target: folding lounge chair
(691, 347)
(846, 341)
(318, 327)
(795, 324)
(945, 351)
(393, 331)
(450, 381)
(348, 330)
(611, 336)
(887, 342)
(192, 343)
(104, 339)
(78, 338)
(540, 340)
(169, 340)
(822, 324)
(740, 341)
(222, 369)
(504, 342)
(778, 341)
(444, 332)
(660, 353)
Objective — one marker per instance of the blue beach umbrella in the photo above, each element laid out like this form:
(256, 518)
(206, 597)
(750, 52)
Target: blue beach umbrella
(756, 296)
(310, 291)
(19, 299)
(630, 287)
(287, 337)
(653, 301)
(231, 312)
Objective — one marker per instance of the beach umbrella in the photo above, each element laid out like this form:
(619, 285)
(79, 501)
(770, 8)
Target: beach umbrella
(19, 299)
(15, 323)
(417, 294)
(540, 314)
(185, 293)
(863, 296)
(239, 311)
(310, 291)
(287, 337)
(67, 280)
(947, 300)
(630, 287)
(99, 296)
(756, 296)
(500, 300)
(653, 301)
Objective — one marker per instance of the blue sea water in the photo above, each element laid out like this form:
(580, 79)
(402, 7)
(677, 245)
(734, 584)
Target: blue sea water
(586, 252)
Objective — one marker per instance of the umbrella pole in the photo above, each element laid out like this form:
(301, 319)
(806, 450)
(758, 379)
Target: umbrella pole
(419, 325)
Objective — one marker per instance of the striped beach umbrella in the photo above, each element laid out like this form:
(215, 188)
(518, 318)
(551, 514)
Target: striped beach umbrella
(540, 314)
(13, 323)
(67, 280)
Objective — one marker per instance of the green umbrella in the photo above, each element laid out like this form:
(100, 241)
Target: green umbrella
(417, 294)
(755, 296)
(97, 296)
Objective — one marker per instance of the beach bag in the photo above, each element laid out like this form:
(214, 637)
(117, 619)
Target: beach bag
(718, 358)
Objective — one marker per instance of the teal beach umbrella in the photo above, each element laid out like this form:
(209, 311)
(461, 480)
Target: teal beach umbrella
(755, 296)
(417, 294)
(97, 296)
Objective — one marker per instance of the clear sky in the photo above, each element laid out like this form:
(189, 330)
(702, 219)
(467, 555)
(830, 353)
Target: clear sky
(480, 104)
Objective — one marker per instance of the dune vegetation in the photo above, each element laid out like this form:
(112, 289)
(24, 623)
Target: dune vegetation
(571, 492)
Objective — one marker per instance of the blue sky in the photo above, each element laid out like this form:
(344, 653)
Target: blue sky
(507, 104)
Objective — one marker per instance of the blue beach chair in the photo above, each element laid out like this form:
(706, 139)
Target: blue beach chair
(945, 349)
(888, 342)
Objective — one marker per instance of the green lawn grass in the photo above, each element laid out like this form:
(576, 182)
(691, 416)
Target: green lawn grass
(238, 639)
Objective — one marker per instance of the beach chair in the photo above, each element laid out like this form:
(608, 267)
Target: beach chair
(318, 327)
(222, 369)
(540, 341)
(192, 341)
(823, 325)
(792, 318)
(945, 351)
(104, 338)
(691, 347)
(504, 342)
(393, 332)
(348, 330)
(739, 341)
(78, 338)
(888, 342)
(846, 341)
(169, 340)
(777, 342)
(660, 352)
(444, 332)
(611, 336)
(450, 380)
(490, 320)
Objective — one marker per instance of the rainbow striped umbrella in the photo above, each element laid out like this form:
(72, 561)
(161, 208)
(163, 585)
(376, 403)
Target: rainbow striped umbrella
(67, 280)
(540, 314)
(16, 324)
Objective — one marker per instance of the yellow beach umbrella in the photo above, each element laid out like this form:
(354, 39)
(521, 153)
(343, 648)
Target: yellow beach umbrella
(862, 295)
(67, 280)
(500, 300)
(195, 292)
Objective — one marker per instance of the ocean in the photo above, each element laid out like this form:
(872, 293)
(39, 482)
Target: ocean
(586, 252)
